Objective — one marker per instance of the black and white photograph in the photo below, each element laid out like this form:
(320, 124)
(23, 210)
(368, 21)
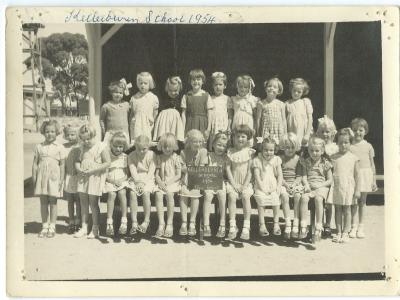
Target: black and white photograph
(188, 146)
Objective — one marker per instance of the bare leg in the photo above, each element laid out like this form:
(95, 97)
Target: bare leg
(361, 208)
(160, 208)
(78, 209)
(44, 210)
(84, 199)
(319, 212)
(303, 210)
(232, 209)
(147, 206)
(71, 207)
(246, 208)
(170, 208)
(94, 207)
(110, 206)
(222, 207)
(207, 207)
(133, 203)
(124, 210)
(338, 221)
(53, 211)
(194, 207)
(328, 212)
(347, 218)
(183, 203)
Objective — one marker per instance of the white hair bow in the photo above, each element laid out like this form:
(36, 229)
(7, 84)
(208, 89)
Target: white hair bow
(127, 86)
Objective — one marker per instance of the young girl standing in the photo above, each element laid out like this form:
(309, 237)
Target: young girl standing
(346, 189)
(327, 130)
(238, 171)
(117, 181)
(71, 178)
(48, 174)
(142, 167)
(244, 103)
(317, 179)
(221, 121)
(270, 119)
(365, 153)
(168, 177)
(291, 184)
(144, 107)
(299, 110)
(169, 119)
(192, 155)
(114, 115)
(217, 158)
(94, 159)
(197, 105)
(267, 184)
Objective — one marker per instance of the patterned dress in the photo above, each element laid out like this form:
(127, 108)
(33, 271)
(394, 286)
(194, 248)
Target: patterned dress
(317, 172)
(291, 168)
(220, 121)
(117, 171)
(243, 110)
(48, 176)
(143, 107)
(145, 168)
(272, 120)
(297, 113)
(169, 167)
(169, 120)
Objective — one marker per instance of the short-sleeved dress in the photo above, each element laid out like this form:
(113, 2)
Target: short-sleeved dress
(117, 171)
(196, 107)
(48, 176)
(317, 173)
(272, 123)
(115, 117)
(143, 166)
(169, 120)
(71, 157)
(169, 167)
(239, 162)
(90, 159)
(268, 173)
(220, 121)
(344, 178)
(217, 161)
(363, 150)
(143, 107)
(331, 149)
(190, 158)
(297, 112)
(243, 110)
(291, 168)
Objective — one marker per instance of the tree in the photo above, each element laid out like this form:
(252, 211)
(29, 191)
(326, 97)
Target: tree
(64, 61)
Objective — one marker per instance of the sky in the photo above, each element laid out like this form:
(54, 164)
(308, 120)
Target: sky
(51, 28)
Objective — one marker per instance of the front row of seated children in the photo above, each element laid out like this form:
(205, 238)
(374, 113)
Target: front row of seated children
(339, 175)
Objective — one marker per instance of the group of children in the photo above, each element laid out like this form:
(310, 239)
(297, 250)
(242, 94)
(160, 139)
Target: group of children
(267, 149)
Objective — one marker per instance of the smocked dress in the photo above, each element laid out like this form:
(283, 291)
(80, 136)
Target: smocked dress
(190, 158)
(331, 149)
(143, 107)
(317, 173)
(145, 168)
(196, 107)
(169, 167)
(344, 178)
(297, 115)
(169, 120)
(291, 168)
(363, 150)
(266, 194)
(217, 161)
(243, 110)
(90, 159)
(117, 171)
(115, 117)
(239, 162)
(48, 176)
(71, 177)
(272, 119)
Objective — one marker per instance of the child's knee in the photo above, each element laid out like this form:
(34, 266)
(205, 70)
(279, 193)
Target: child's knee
(284, 199)
(304, 200)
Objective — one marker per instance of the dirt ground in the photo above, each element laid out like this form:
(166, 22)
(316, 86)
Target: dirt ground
(65, 257)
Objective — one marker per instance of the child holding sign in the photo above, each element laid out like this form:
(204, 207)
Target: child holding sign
(217, 158)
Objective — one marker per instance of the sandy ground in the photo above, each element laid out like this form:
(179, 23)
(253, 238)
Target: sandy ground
(65, 257)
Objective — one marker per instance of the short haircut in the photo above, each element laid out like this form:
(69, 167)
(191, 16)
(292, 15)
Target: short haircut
(147, 76)
(70, 127)
(119, 137)
(299, 81)
(50, 122)
(218, 75)
(316, 141)
(197, 73)
(243, 129)
(142, 140)
(357, 122)
(346, 132)
(193, 135)
(87, 128)
(278, 81)
(291, 140)
(173, 80)
(167, 139)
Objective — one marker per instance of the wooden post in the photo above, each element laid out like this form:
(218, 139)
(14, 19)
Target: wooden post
(329, 37)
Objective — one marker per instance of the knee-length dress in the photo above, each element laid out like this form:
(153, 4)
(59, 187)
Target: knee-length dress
(90, 159)
(239, 162)
(344, 178)
(169, 167)
(364, 150)
(169, 120)
(243, 110)
(220, 121)
(71, 177)
(291, 168)
(145, 168)
(272, 119)
(266, 194)
(48, 176)
(317, 172)
(115, 117)
(297, 112)
(331, 149)
(196, 107)
(117, 171)
(143, 107)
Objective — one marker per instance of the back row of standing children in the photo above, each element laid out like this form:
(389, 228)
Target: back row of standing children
(275, 178)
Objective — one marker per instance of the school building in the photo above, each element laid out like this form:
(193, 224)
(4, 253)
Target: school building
(341, 62)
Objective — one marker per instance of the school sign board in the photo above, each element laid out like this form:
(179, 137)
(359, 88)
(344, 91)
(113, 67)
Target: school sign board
(205, 178)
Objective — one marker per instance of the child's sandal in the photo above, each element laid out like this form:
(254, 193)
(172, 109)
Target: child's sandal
(160, 231)
(110, 229)
(295, 233)
(263, 230)
(277, 229)
(360, 232)
(207, 230)
(245, 235)
(317, 235)
(123, 228)
(327, 231)
(345, 238)
(287, 232)
(169, 231)
(303, 233)
(94, 234)
(183, 229)
(43, 233)
(143, 227)
(337, 238)
(221, 231)
(233, 231)
(353, 232)
(134, 229)
(192, 229)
